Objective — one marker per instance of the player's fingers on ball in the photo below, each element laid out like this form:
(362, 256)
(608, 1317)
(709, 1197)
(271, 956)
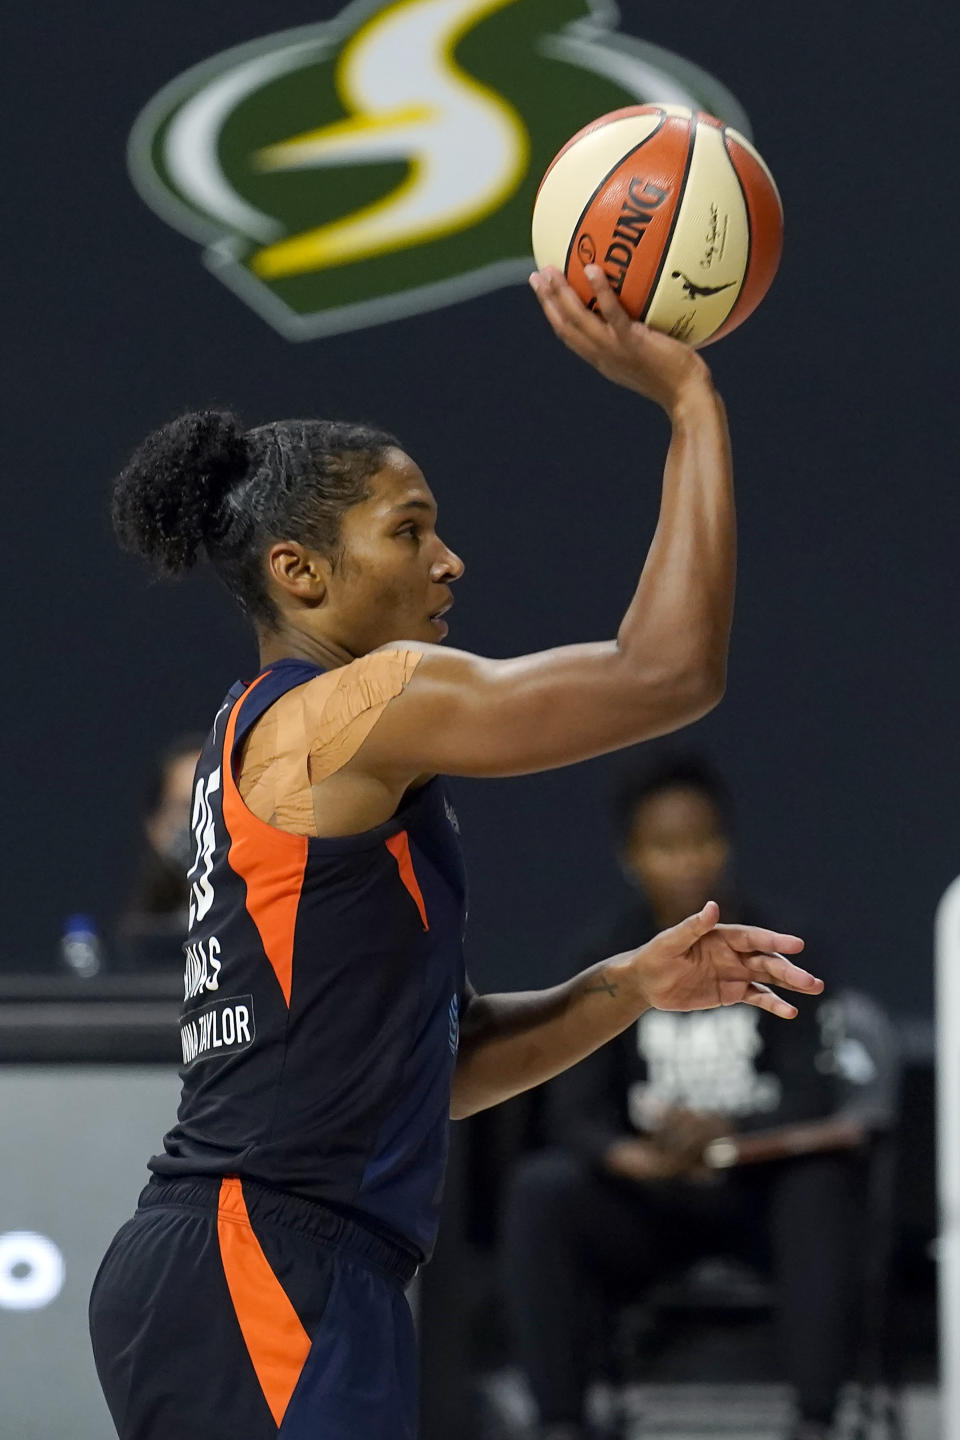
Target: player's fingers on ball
(765, 999)
(578, 315)
(555, 315)
(541, 287)
(546, 285)
(567, 313)
(607, 303)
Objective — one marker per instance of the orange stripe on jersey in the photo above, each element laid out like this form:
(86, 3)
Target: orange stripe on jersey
(276, 1341)
(271, 862)
(399, 847)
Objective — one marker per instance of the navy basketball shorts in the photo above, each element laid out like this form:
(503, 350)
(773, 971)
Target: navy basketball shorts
(228, 1311)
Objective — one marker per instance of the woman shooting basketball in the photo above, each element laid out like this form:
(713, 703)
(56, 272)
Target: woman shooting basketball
(329, 1030)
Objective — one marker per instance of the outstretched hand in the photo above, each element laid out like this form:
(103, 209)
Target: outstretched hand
(700, 964)
(624, 350)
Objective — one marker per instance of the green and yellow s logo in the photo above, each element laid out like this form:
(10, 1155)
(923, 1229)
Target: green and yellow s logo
(385, 162)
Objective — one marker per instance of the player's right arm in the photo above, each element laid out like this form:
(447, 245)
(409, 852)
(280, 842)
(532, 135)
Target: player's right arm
(462, 714)
(512, 1042)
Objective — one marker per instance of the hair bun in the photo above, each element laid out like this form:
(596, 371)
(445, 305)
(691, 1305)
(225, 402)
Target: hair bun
(168, 501)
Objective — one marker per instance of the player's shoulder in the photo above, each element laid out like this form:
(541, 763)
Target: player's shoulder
(369, 682)
(442, 665)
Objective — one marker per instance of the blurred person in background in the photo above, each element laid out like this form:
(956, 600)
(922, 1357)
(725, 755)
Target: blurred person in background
(696, 1135)
(149, 931)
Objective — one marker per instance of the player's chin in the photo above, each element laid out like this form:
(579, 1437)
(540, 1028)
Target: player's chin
(438, 629)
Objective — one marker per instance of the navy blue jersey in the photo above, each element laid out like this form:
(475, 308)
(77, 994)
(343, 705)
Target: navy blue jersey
(322, 990)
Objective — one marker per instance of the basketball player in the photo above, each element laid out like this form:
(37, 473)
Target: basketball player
(329, 1031)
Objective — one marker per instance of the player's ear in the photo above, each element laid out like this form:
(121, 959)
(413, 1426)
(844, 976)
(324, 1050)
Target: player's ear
(298, 571)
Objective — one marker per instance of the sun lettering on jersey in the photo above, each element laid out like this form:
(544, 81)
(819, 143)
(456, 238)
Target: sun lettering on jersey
(202, 968)
(204, 834)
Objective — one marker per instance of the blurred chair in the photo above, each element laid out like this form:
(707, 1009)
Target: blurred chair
(726, 1291)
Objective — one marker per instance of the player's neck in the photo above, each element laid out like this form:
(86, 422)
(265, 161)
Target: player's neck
(287, 642)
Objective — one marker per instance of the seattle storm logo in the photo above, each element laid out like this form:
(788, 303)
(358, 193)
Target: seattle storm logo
(385, 162)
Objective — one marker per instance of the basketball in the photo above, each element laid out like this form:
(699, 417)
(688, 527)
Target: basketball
(680, 211)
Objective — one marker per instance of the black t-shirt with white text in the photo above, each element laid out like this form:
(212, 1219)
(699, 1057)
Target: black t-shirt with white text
(837, 1057)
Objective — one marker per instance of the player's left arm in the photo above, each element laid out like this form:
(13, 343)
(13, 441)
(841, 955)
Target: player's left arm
(509, 1043)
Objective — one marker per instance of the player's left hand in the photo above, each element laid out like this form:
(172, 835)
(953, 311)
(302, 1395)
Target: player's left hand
(623, 350)
(700, 964)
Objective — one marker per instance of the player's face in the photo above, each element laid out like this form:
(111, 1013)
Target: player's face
(393, 580)
(678, 850)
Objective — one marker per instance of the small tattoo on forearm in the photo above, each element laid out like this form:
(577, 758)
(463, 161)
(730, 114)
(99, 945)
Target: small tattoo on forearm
(600, 986)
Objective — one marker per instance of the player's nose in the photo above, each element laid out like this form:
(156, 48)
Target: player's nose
(448, 566)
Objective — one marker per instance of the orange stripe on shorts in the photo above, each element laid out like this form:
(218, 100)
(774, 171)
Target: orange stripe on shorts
(276, 1341)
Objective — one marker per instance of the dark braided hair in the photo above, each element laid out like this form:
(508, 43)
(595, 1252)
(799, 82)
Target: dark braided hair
(204, 482)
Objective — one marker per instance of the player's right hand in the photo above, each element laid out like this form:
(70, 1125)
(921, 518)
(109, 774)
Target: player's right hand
(700, 964)
(623, 350)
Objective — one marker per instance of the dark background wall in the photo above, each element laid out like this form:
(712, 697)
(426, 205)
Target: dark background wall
(838, 728)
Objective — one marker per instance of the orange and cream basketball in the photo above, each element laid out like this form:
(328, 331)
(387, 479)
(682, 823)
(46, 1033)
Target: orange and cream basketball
(679, 210)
